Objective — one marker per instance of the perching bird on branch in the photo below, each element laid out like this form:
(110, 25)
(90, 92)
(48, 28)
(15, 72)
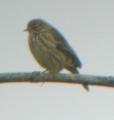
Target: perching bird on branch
(50, 48)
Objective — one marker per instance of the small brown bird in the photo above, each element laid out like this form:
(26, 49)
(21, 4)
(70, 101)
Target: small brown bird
(50, 48)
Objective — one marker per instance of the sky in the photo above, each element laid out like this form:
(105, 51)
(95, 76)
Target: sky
(88, 26)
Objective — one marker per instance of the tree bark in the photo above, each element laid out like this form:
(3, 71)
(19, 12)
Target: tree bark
(35, 77)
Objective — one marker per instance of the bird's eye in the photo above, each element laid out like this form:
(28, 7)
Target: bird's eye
(34, 27)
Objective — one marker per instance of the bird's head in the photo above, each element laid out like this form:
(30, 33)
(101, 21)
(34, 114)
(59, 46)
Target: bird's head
(37, 25)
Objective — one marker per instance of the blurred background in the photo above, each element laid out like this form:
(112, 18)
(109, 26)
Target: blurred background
(89, 28)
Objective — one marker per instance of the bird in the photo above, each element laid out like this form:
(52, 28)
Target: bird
(50, 49)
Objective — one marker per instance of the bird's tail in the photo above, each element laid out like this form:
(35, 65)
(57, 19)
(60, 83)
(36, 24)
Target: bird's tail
(75, 71)
(83, 84)
(85, 87)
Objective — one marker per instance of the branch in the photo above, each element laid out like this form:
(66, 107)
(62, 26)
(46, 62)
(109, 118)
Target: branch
(36, 77)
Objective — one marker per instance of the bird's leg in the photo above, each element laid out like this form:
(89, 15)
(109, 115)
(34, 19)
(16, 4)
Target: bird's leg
(45, 71)
(43, 82)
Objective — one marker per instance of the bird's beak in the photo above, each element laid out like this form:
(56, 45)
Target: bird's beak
(25, 30)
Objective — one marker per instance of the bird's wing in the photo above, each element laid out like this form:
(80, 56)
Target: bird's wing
(65, 47)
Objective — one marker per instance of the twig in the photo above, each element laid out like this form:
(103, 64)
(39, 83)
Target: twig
(60, 78)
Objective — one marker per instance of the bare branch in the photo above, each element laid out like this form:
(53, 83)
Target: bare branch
(61, 78)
